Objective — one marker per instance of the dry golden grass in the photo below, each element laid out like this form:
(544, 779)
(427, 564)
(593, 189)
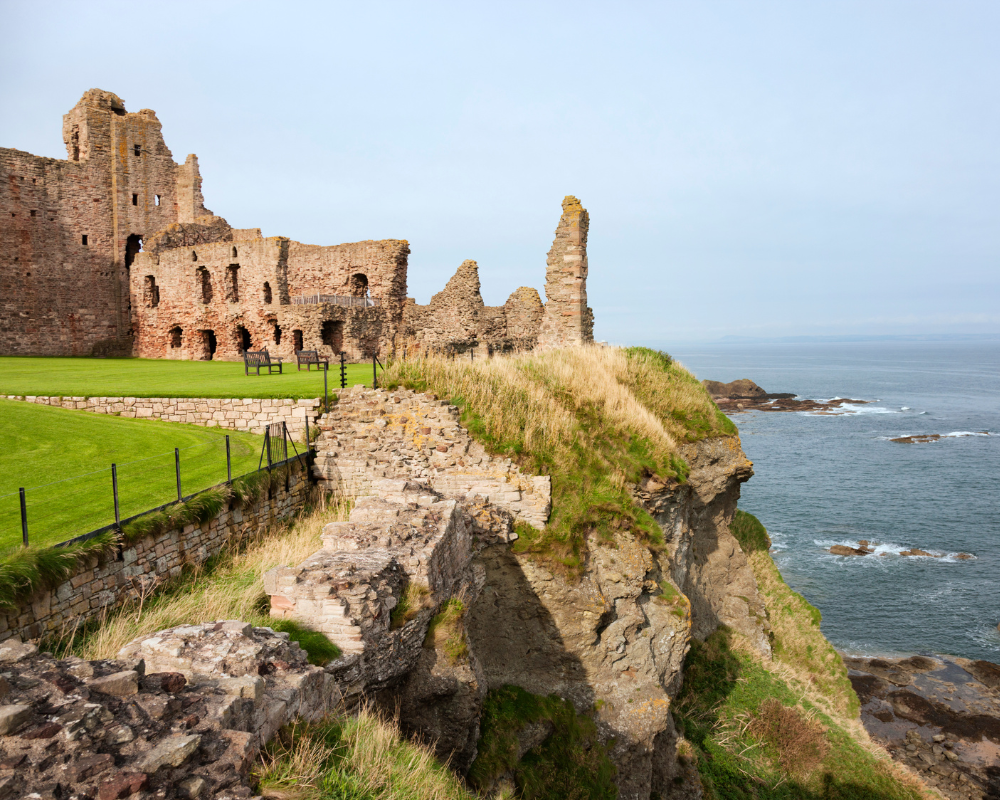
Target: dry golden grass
(362, 756)
(596, 419)
(228, 587)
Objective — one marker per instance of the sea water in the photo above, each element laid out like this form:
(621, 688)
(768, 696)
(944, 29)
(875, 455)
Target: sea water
(824, 480)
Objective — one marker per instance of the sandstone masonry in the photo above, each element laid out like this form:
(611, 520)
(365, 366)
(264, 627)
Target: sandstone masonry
(112, 252)
(105, 584)
(374, 434)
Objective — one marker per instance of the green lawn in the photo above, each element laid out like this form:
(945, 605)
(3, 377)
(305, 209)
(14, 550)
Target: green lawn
(63, 459)
(139, 377)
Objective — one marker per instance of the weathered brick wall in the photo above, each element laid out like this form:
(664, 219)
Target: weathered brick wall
(374, 434)
(104, 585)
(59, 296)
(457, 320)
(193, 312)
(567, 320)
(249, 414)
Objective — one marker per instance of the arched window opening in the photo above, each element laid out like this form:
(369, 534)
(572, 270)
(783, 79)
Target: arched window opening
(234, 252)
(206, 285)
(175, 337)
(359, 285)
(209, 345)
(151, 292)
(267, 293)
(333, 335)
(133, 246)
(276, 332)
(194, 256)
(233, 283)
(297, 340)
(242, 338)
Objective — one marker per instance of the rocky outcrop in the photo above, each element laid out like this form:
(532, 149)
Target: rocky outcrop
(181, 714)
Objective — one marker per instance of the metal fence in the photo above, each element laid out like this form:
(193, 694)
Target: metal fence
(105, 499)
(336, 300)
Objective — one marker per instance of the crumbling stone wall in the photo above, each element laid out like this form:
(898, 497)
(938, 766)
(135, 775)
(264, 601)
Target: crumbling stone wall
(219, 291)
(101, 586)
(457, 320)
(567, 320)
(373, 434)
(250, 414)
(65, 227)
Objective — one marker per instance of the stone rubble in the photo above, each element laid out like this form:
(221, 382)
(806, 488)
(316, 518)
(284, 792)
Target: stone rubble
(180, 714)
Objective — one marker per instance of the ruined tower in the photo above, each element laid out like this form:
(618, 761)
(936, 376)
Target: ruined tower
(70, 229)
(567, 320)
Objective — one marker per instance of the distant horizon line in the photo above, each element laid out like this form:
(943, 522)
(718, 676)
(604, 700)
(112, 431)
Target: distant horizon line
(836, 338)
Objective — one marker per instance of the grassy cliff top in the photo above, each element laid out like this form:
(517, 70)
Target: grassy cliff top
(597, 419)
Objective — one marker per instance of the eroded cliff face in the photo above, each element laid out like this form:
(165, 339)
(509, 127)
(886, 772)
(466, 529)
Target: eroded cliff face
(612, 642)
(615, 641)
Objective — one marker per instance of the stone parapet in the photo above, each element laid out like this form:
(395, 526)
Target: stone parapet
(98, 587)
(374, 434)
(252, 415)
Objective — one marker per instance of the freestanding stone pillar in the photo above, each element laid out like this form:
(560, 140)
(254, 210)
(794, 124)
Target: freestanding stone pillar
(567, 321)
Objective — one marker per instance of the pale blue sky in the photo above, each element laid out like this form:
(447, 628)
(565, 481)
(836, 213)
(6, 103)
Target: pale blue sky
(751, 168)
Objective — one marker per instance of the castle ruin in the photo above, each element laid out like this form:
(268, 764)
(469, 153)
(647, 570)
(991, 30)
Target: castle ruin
(112, 252)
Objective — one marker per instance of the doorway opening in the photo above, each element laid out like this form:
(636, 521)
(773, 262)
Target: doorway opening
(243, 338)
(333, 335)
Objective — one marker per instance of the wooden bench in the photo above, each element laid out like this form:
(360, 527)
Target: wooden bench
(310, 357)
(255, 359)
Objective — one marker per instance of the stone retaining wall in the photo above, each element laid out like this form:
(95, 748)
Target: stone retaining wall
(248, 414)
(372, 434)
(142, 564)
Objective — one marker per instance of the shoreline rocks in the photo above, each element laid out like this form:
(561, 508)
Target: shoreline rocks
(745, 395)
(938, 715)
(866, 548)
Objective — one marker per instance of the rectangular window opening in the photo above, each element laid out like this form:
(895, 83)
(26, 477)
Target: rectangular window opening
(135, 199)
(157, 199)
(84, 239)
(137, 149)
(32, 213)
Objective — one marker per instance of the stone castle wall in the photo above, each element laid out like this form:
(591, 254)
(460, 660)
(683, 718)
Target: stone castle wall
(65, 226)
(457, 320)
(375, 434)
(251, 414)
(106, 584)
(568, 321)
(112, 252)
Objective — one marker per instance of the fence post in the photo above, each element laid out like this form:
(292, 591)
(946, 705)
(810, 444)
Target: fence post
(326, 394)
(472, 353)
(229, 462)
(114, 489)
(24, 519)
(177, 467)
(374, 373)
(343, 370)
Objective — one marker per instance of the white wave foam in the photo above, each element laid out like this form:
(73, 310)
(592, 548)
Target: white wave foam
(905, 408)
(892, 549)
(960, 434)
(849, 409)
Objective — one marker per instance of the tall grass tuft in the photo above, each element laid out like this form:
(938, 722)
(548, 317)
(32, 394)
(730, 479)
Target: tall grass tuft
(597, 419)
(362, 757)
(28, 570)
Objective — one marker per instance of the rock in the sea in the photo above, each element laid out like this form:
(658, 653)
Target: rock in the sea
(743, 389)
(916, 551)
(844, 550)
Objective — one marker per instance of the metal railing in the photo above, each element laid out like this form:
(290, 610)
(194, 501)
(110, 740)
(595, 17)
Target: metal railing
(336, 300)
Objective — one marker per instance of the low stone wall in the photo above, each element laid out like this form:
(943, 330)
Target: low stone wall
(248, 414)
(372, 434)
(109, 583)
